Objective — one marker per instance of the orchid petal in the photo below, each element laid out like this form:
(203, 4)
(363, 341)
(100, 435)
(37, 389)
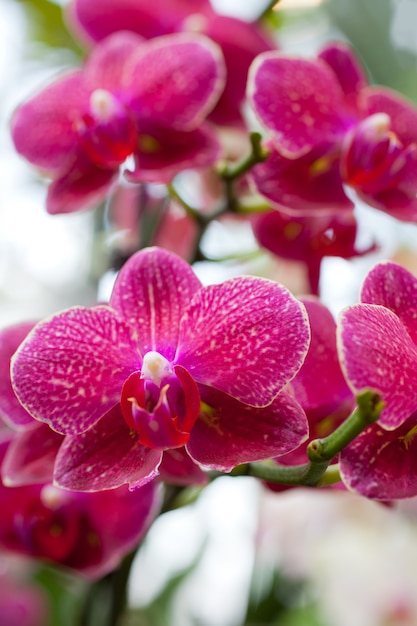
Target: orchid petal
(94, 20)
(84, 185)
(43, 130)
(229, 433)
(105, 457)
(246, 337)
(300, 101)
(309, 184)
(152, 292)
(164, 152)
(347, 68)
(402, 113)
(175, 80)
(394, 287)
(11, 411)
(106, 65)
(376, 352)
(30, 457)
(382, 464)
(70, 369)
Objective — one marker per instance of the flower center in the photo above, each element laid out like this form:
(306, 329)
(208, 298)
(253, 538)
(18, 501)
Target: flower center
(161, 403)
(107, 130)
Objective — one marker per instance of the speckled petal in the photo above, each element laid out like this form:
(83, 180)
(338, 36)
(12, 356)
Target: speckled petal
(106, 65)
(30, 457)
(178, 468)
(105, 457)
(229, 433)
(43, 127)
(377, 353)
(176, 80)
(151, 293)
(70, 370)
(11, 411)
(300, 101)
(394, 287)
(246, 337)
(349, 72)
(382, 464)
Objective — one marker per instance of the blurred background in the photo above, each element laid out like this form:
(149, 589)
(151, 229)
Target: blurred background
(240, 555)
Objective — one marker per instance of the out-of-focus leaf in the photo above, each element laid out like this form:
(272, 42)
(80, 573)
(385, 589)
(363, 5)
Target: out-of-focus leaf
(46, 25)
(65, 593)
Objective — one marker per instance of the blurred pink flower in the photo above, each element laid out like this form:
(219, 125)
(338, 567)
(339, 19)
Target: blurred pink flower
(133, 97)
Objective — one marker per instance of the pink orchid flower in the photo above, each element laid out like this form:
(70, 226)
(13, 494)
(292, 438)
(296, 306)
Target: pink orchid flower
(145, 99)
(309, 239)
(168, 364)
(327, 129)
(378, 350)
(86, 532)
(240, 41)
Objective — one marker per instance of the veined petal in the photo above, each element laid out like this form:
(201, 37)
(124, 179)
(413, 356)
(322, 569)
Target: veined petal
(70, 369)
(163, 152)
(30, 457)
(376, 352)
(300, 101)
(246, 337)
(395, 288)
(11, 411)
(105, 457)
(229, 433)
(152, 292)
(43, 128)
(382, 464)
(175, 80)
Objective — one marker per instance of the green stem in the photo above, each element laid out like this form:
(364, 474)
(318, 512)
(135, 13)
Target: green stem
(367, 412)
(268, 8)
(258, 154)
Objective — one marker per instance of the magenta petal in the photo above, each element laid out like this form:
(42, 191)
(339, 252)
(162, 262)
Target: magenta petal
(30, 457)
(309, 184)
(43, 127)
(382, 464)
(322, 357)
(229, 433)
(11, 411)
(402, 113)
(377, 353)
(347, 68)
(151, 293)
(97, 20)
(83, 186)
(163, 152)
(246, 337)
(176, 80)
(299, 100)
(395, 288)
(70, 370)
(178, 468)
(107, 62)
(105, 457)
